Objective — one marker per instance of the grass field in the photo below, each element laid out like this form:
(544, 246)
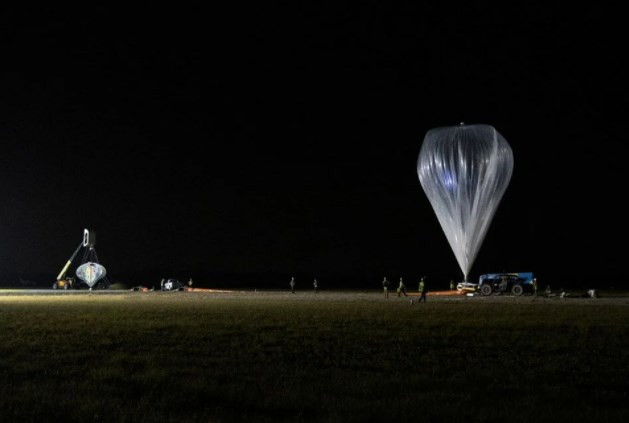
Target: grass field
(337, 357)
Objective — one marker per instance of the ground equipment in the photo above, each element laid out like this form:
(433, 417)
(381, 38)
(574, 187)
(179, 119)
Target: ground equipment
(498, 283)
(91, 273)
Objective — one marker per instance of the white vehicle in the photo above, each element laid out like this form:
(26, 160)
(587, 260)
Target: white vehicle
(173, 285)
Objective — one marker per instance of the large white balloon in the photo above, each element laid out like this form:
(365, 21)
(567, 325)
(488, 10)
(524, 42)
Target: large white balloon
(90, 273)
(464, 171)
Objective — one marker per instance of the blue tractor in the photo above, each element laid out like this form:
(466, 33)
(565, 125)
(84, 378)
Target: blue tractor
(497, 283)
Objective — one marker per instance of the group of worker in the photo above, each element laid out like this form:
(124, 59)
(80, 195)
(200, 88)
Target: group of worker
(422, 288)
(401, 290)
(315, 285)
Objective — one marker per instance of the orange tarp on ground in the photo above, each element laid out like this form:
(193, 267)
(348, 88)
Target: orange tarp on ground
(203, 290)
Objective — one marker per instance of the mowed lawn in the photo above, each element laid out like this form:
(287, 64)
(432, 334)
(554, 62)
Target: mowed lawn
(339, 357)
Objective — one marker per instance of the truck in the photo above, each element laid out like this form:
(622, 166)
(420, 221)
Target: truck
(172, 285)
(498, 283)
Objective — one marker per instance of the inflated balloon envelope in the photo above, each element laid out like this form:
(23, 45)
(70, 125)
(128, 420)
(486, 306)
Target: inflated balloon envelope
(465, 171)
(90, 273)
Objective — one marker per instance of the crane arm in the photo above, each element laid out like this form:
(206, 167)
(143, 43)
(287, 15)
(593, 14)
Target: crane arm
(65, 268)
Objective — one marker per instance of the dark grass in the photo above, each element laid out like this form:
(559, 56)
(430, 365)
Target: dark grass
(333, 357)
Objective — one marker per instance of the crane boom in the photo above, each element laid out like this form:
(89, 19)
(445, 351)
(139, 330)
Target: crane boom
(65, 268)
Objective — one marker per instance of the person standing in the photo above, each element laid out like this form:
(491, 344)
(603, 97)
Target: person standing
(401, 289)
(316, 286)
(422, 290)
(451, 285)
(385, 286)
(535, 287)
(292, 285)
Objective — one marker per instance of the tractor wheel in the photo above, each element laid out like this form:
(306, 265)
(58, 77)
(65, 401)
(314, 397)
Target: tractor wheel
(485, 290)
(517, 290)
(498, 291)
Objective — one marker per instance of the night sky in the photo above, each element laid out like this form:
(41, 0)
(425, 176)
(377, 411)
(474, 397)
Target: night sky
(262, 141)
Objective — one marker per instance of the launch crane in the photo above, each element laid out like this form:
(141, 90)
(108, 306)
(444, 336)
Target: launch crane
(90, 271)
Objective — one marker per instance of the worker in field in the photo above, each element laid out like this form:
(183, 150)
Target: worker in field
(292, 285)
(401, 289)
(316, 286)
(385, 286)
(451, 285)
(535, 287)
(422, 289)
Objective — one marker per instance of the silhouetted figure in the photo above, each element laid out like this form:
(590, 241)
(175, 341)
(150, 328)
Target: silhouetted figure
(422, 290)
(316, 286)
(401, 289)
(292, 285)
(385, 286)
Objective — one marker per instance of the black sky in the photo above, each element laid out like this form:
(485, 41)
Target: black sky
(282, 139)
